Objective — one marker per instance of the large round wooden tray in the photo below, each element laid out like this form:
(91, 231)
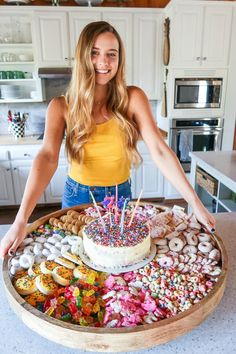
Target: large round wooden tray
(113, 339)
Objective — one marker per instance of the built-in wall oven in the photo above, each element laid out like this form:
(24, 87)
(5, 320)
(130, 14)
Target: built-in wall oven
(192, 93)
(195, 134)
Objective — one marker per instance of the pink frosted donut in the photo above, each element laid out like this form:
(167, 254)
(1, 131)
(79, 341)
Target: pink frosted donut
(176, 244)
(205, 247)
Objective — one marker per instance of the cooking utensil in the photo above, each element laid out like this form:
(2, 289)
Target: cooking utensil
(166, 47)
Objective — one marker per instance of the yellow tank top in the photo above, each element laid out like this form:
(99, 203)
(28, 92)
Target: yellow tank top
(105, 162)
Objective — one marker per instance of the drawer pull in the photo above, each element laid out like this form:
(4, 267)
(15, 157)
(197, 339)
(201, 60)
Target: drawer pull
(27, 154)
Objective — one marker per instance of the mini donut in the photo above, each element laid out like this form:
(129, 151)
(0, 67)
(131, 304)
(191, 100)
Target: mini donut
(46, 252)
(171, 235)
(47, 267)
(54, 250)
(58, 245)
(72, 257)
(160, 241)
(41, 239)
(203, 237)
(25, 285)
(64, 240)
(176, 244)
(35, 298)
(63, 218)
(39, 259)
(34, 270)
(74, 240)
(15, 262)
(26, 241)
(162, 249)
(51, 221)
(14, 270)
(215, 272)
(182, 226)
(75, 229)
(192, 239)
(26, 261)
(29, 250)
(214, 254)
(74, 214)
(64, 262)
(69, 212)
(38, 249)
(51, 257)
(166, 262)
(62, 275)
(65, 248)
(45, 284)
(60, 225)
(75, 249)
(189, 249)
(47, 245)
(205, 247)
(194, 225)
(52, 240)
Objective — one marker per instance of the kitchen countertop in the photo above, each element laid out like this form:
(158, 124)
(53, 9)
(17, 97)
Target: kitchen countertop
(221, 164)
(27, 140)
(217, 333)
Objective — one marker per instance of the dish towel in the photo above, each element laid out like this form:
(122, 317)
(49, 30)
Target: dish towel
(185, 144)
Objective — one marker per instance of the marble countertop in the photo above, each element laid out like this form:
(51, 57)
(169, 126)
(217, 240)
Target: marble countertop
(27, 140)
(217, 333)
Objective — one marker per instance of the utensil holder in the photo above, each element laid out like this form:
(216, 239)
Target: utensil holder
(18, 129)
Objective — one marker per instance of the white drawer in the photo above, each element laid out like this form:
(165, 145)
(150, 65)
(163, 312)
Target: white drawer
(4, 154)
(24, 152)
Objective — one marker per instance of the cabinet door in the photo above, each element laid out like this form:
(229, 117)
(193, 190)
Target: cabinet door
(170, 192)
(20, 172)
(147, 176)
(54, 191)
(147, 59)
(216, 35)
(6, 189)
(186, 36)
(123, 24)
(77, 21)
(52, 38)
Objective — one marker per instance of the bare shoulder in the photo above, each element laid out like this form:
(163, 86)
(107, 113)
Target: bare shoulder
(58, 105)
(137, 98)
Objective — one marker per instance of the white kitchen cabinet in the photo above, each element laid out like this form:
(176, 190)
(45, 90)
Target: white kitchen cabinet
(6, 189)
(77, 21)
(20, 172)
(200, 36)
(122, 22)
(54, 191)
(147, 176)
(170, 191)
(147, 58)
(52, 37)
(17, 58)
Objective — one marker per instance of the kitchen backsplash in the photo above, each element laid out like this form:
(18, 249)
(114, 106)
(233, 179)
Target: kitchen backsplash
(37, 111)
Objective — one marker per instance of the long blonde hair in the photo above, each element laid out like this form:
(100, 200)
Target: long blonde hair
(80, 96)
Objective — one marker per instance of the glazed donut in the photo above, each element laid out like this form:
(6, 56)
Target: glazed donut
(191, 239)
(189, 249)
(26, 260)
(166, 262)
(205, 247)
(162, 249)
(203, 237)
(214, 254)
(160, 241)
(176, 244)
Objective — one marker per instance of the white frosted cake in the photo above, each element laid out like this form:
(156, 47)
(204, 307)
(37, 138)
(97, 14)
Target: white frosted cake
(111, 248)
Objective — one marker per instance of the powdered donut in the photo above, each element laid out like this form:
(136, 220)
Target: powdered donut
(166, 261)
(204, 237)
(190, 249)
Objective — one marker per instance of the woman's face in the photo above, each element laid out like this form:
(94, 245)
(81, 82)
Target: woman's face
(105, 57)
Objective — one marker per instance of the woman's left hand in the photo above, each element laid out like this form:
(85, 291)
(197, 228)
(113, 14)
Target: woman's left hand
(203, 215)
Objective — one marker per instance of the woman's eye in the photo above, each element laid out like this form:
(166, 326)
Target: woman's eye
(94, 53)
(112, 55)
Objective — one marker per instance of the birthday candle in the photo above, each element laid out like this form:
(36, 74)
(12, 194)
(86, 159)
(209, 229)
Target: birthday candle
(116, 205)
(136, 205)
(98, 211)
(123, 217)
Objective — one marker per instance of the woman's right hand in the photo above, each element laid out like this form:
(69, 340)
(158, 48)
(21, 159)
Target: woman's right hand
(12, 239)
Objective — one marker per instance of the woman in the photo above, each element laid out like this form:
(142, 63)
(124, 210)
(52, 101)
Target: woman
(102, 119)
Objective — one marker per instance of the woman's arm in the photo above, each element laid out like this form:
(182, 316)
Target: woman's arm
(42, 170)
(163, 156)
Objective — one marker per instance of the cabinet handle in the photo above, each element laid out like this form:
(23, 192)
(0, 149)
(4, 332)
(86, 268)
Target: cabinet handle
(15, 168)
(66, 58)
(198, 58)
(7, 169)
(203, 58)
(27, 154)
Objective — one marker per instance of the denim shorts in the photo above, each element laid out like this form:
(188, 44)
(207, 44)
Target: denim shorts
(76, 193)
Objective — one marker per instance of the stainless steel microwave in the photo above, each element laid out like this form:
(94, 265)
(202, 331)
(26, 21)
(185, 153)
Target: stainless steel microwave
(198, 93)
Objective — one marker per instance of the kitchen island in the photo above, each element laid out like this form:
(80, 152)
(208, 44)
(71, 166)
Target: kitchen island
(216, 185)
(217, 333)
